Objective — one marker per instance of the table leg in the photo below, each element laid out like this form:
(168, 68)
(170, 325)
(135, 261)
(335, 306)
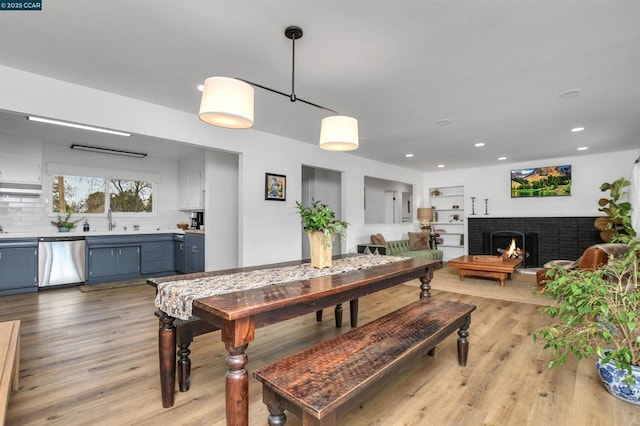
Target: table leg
(167, 355)
(353, 312)
(463, 342)
(236, 336)
(237, 387)
(338, 314)
(425, 287)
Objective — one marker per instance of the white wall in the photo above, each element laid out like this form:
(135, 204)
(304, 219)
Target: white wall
(269, 231)
(493, 183)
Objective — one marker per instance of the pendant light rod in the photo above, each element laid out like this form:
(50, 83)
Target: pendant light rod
(292, 33)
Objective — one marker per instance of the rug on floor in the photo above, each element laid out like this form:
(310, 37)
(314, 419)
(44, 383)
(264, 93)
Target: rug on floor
(85, 288)
(519, 288)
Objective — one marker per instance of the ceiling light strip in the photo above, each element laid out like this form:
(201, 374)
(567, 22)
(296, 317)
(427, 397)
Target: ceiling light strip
(78, 126)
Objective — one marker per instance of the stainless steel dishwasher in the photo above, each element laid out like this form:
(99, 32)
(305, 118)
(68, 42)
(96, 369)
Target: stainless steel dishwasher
(61, 260)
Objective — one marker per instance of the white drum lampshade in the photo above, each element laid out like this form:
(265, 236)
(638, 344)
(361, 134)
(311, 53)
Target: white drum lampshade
(227, 102)
(339, 133)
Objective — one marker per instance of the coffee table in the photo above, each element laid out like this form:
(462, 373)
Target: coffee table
(486, 266)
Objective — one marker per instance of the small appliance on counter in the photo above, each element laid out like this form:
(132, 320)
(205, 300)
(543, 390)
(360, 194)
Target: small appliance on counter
(197, 220)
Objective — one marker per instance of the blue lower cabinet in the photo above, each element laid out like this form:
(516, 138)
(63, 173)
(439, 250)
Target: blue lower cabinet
(18, 266)
(113, 263)
(193, 253)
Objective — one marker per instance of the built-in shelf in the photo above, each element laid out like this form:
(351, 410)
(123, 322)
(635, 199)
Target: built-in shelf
(449, 211)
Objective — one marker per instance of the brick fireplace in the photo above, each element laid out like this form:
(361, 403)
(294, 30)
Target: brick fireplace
(543, 238)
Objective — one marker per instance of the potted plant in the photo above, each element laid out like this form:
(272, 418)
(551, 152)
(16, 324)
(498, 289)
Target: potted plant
(65, 224)
(597, 314)
(322, 227)
(598, 311)
(616, 226)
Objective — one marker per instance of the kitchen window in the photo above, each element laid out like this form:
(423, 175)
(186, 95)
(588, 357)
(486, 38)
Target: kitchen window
(83, 194)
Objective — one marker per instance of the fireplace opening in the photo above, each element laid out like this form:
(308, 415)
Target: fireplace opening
(526, 245)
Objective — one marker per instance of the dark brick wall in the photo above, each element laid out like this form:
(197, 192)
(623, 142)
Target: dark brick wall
(558, 237)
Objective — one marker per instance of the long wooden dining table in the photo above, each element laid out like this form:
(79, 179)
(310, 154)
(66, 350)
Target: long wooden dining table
(237, 314)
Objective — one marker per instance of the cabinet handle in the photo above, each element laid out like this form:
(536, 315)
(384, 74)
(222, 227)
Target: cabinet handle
(0, 255)
(194, 249)
(181, 246)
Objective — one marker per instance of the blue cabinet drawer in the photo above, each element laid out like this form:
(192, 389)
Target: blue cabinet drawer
(152, 267)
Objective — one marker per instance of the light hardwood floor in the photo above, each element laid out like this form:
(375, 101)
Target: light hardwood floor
(91, 358)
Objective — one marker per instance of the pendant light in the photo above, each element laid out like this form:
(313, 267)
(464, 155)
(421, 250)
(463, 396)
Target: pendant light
(228, 102)
(339, 133)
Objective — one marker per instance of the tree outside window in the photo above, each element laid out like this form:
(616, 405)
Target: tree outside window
(80, 194)
(130, 196)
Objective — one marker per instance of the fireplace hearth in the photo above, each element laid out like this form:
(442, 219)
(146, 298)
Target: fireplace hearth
(556, 238)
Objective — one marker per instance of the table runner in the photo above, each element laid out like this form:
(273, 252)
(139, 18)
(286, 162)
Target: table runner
(175, 298)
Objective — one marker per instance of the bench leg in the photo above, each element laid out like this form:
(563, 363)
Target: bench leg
(353, 312)
(167, 355)
(463, 342)
(319, 315)
(276, 411)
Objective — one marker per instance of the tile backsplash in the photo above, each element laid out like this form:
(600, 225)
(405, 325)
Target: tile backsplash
(23, 214)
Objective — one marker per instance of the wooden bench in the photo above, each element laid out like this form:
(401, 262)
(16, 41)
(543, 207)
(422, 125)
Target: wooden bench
(322, 382)
(187, 330)
(9, 363)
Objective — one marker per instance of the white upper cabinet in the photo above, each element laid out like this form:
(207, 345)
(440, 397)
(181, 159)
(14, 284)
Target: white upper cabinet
(20, 161)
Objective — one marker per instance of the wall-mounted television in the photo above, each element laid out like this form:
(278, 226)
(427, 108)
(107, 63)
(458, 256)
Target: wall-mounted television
(541, 181)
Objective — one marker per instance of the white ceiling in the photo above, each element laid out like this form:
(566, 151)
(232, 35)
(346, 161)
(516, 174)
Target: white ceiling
(494, 68)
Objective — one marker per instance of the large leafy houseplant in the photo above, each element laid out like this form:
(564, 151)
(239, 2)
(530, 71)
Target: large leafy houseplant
(616, 225)
(597, 314)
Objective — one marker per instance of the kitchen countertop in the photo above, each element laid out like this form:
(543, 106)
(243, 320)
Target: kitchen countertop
(80, 233)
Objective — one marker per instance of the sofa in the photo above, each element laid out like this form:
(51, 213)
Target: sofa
(420, 245)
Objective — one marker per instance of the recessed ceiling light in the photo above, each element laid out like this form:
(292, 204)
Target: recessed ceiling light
(409, 155)
(570, 93)
(440, 165)
(443, 122)
(478, 144)
(201, 87)
(502, 158)
(577, 129)
(583, 148)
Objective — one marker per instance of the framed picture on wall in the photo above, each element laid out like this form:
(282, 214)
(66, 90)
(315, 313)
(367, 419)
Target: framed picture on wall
(541, 181)
(275, 187)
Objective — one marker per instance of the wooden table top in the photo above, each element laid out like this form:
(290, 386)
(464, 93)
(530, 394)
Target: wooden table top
(240, 304)
(507, 264)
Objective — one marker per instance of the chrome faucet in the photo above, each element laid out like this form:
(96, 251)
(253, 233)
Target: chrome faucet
(112, 225)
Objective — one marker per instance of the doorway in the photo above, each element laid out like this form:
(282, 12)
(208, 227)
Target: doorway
(326, 186)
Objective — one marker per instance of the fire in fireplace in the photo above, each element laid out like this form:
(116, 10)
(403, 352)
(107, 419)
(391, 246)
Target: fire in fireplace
(524, 245)
(512, 250)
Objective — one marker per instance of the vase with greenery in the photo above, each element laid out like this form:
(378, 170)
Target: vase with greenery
(616, 225)
(65, 224)
(322, 227)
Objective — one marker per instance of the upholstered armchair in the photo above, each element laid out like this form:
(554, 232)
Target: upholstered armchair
(592, 258)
